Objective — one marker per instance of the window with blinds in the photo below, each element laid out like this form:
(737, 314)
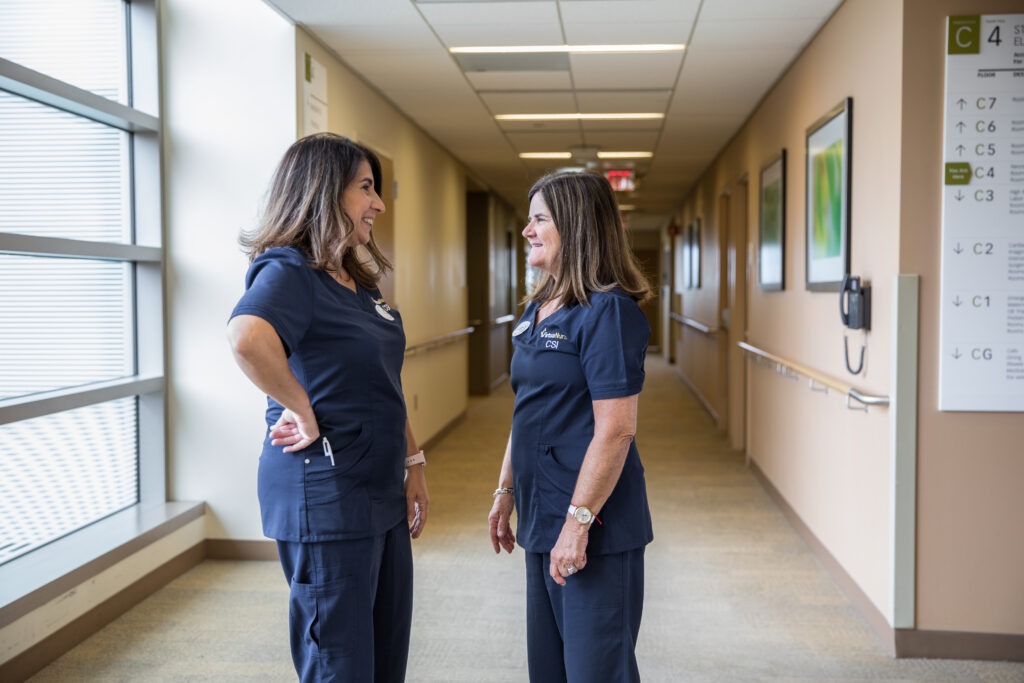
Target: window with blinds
(71, 284)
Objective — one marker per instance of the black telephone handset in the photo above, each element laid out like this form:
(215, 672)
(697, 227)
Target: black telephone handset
(855, 304)
(855, 312)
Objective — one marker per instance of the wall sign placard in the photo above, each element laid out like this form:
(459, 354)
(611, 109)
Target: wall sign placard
(981, 364)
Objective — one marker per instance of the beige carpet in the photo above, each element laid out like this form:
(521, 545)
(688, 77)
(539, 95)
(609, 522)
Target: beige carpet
(733, 594)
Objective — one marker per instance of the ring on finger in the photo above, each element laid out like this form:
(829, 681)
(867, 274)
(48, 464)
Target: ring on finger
(571, 570)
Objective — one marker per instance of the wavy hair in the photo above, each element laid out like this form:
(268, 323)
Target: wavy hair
(595, 255)
(304, 207)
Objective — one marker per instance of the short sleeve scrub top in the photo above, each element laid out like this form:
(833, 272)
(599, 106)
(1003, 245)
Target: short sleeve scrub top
(577, 355)
(346, 350)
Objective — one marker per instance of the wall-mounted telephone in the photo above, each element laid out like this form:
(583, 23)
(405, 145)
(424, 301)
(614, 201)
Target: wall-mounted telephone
(855, 304)
(855, 312)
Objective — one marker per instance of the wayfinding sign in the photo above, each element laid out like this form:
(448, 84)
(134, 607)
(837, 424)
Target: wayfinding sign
(982, 313)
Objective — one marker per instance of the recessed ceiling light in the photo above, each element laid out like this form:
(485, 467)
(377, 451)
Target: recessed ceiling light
(545, 155)
(578, 117)
(578, 49)
(625, 155)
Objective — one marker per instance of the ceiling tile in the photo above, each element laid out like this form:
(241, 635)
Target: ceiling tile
(636, 126)
(520, 80)
(655, 11)
(620, 101)
(538, 126)
(657, 70)
(622, 141)
(551, 102)
(754, 34)
(784, 9)
(521, 32)
(546, 141)
(513, 62)
(542, 12)
(349, 38)
(633, 32)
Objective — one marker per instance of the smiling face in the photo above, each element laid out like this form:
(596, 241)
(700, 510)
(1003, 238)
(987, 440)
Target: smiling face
(361, 204)
(542, 234)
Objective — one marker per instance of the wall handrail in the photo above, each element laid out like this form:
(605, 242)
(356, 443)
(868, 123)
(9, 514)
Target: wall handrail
(503, 320)
(439, 340)
(695, 324)
(793, 368)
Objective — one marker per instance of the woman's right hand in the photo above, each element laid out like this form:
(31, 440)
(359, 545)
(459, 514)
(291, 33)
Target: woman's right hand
(294, 431)
(500, 522)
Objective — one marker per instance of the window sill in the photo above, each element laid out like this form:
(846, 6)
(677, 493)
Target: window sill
(34, 579)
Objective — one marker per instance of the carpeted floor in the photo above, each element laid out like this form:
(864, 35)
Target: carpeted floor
(732, 596)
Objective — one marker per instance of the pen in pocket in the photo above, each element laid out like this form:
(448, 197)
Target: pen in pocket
(328, 453)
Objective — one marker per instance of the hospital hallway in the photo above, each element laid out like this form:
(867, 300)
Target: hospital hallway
(733, 593)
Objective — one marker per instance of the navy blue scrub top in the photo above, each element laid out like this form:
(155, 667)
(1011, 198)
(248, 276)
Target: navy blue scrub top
(575, 356)
(346, 350)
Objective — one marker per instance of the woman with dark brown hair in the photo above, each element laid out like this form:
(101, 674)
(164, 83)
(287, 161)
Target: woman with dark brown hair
(571, 468)
(341, 482)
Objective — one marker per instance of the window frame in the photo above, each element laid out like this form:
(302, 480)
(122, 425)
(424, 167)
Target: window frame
(46, 564)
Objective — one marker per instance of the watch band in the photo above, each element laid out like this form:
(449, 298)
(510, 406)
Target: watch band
(417, 458)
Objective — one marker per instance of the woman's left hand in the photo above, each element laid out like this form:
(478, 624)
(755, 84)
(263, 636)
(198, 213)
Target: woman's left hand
(417, 501)
(570, 552)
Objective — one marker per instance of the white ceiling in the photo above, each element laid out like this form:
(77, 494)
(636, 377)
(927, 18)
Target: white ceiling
(736, 50)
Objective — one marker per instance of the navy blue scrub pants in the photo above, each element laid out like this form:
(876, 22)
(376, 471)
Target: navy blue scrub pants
(585, 631)
(350, 608)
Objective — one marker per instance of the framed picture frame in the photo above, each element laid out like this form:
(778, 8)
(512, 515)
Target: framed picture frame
(694, 234)
(771, 261)
(829, 145)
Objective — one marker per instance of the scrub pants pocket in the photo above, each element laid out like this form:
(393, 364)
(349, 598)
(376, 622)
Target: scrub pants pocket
(324, 647)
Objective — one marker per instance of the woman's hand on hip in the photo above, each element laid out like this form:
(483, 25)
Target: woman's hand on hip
(570, 552)
(294, 431)
(500, 523)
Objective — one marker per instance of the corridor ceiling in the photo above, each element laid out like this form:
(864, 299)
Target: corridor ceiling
(735, 51)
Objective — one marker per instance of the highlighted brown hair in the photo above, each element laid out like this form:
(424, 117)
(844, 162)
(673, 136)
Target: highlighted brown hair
(595, 255)
(304, 207)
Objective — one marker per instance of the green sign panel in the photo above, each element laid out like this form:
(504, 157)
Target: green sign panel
(964, 36)
(958, 173)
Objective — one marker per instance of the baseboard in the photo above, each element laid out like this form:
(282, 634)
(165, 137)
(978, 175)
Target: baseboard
(900, 643)
(700, 397)
(443, 432)
(228, 549)
(1001, 647)
(34, 659)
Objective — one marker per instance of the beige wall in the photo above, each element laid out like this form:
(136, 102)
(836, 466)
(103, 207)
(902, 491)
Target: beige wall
(970, 465)
(830, 463)
(430, 237)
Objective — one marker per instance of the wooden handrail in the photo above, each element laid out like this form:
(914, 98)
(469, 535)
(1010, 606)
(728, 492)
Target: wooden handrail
(814, 376)
(439, 340)
(695, 324)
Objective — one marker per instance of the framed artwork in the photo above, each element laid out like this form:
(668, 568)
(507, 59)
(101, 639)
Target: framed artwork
(771, 261)
(694, 240)
(828, 198)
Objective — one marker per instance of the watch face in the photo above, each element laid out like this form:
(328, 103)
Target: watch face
(583, 515)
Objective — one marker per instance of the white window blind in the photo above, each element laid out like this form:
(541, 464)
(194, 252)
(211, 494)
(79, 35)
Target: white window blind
(76, 415)
(62, 175)
(81, 42)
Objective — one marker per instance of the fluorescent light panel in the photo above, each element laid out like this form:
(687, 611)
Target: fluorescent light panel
(545, 155)
(625, 155)
(577, 49)
(579, 117)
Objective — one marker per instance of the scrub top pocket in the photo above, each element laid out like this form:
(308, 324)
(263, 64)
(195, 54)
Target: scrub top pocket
(555, 480)
(336, 496)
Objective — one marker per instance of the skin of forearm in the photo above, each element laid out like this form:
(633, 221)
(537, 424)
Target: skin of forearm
(604, 459)
(260, 354)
